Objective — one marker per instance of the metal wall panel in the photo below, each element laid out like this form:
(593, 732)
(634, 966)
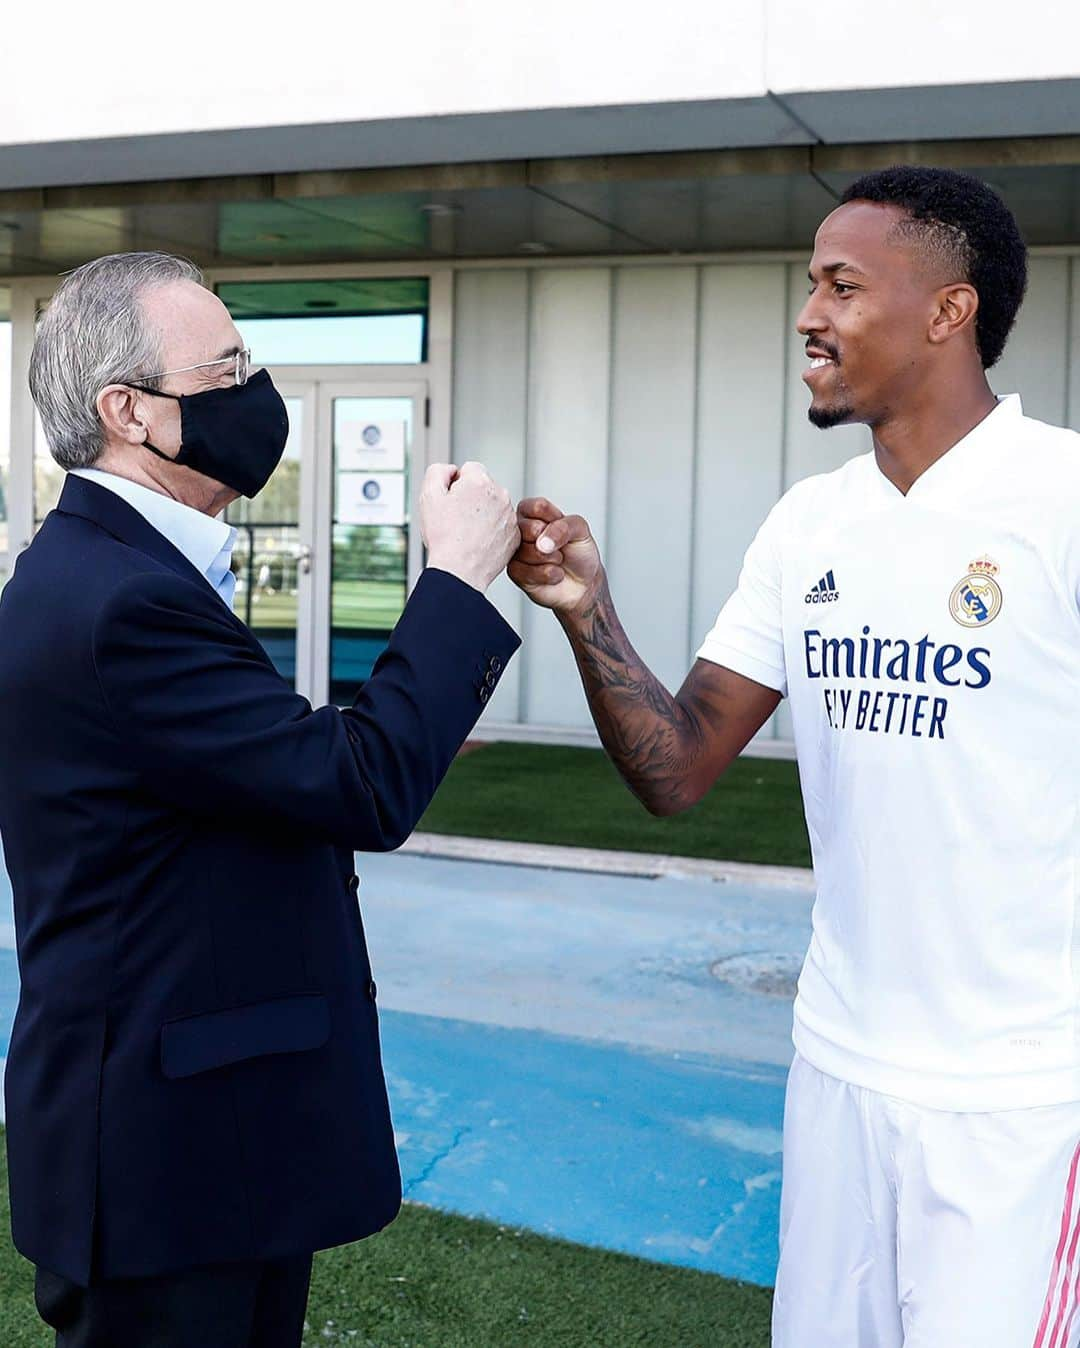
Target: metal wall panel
(491, 353)
(567, 456)
(1034, 361)
(651, 483)
(741, 400)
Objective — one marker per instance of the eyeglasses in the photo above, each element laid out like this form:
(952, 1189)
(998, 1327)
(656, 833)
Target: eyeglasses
(240, 360)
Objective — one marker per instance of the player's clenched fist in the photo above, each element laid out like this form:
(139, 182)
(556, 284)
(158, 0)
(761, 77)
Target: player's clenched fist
(467, 522)
(558, 563)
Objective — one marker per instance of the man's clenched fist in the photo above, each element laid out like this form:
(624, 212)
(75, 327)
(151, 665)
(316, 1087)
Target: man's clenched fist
(467, 523)
(558, 563)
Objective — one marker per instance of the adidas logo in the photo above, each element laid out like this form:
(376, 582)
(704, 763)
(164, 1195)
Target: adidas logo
(825, 591)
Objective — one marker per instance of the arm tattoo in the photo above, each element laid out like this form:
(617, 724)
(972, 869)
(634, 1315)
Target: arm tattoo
(655, 740)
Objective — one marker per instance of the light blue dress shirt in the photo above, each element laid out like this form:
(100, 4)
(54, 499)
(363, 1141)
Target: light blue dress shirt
(207, 543)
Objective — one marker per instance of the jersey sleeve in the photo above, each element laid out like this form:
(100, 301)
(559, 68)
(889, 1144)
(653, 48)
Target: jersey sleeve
(748, 636)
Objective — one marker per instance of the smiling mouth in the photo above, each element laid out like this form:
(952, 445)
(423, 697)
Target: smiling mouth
(817, 364)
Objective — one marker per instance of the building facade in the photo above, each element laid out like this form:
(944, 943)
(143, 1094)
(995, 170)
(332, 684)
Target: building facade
(570, 245)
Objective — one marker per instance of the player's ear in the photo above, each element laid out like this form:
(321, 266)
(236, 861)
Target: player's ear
(955, 308)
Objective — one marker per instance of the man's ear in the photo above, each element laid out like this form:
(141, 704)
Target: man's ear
(119, 408)
(954, 312)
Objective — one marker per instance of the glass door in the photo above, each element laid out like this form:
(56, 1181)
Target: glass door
(369, 552)
(326, 553)
(272, 558)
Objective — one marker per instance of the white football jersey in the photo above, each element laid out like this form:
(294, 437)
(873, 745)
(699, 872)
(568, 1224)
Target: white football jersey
(930, 648)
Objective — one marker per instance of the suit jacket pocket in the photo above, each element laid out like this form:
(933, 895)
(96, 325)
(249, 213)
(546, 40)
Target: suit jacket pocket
(218, 1038)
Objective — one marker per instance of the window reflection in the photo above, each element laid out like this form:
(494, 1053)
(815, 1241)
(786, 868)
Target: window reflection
(369, 575)
(268, 553)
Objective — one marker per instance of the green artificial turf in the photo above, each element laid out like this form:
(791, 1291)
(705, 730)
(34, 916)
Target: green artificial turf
(436, 1281)
(549, 794)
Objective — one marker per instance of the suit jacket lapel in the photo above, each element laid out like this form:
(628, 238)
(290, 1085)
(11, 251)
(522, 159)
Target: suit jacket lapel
(112, 513)
(96, 503)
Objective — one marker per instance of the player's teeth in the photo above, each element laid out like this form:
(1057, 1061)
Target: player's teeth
(819, 361)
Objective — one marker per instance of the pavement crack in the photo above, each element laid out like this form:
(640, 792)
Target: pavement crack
(435, 1160)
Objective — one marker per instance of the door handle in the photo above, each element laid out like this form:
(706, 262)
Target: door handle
(303, 560)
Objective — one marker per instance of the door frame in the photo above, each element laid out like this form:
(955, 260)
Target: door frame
(304, 391)
(317, 387)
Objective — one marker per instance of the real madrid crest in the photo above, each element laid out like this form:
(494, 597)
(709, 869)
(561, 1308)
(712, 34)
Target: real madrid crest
(976, 600)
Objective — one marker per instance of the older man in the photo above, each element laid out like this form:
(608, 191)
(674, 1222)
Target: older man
(195, 1098)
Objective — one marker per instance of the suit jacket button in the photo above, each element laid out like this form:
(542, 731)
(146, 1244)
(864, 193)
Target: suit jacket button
(496, 663)
(489, 679)
(485, 693)
(372, 989)
(354, 884)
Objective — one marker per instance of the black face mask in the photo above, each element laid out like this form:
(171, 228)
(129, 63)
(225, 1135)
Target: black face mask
(233, 435)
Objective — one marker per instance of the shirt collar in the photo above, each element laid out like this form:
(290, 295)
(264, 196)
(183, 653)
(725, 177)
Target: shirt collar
(1008, 407)
(200, 538)
(996, 428)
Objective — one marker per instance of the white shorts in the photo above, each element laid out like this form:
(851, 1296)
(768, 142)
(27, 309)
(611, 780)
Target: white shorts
(905, 1227)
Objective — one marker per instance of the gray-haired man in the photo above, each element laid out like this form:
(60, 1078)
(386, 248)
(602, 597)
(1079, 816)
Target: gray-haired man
(194, 1090)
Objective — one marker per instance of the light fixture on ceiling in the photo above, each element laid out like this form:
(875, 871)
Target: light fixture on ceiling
(437, 209)
(535, 246)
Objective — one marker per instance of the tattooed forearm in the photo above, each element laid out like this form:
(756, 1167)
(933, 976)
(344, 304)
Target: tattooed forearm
(657, 741)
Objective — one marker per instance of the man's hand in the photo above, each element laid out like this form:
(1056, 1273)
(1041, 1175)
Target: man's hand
(558, 563)
(467, 523)
(669, 750)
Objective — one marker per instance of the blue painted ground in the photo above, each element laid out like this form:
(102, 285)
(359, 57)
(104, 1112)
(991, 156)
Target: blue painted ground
(595, 1057)
(670, 1157)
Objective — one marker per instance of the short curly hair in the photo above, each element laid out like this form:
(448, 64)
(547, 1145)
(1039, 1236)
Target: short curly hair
(966, 224)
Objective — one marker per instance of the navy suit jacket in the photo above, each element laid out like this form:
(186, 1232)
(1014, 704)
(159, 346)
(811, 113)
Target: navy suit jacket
(194, 1071)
